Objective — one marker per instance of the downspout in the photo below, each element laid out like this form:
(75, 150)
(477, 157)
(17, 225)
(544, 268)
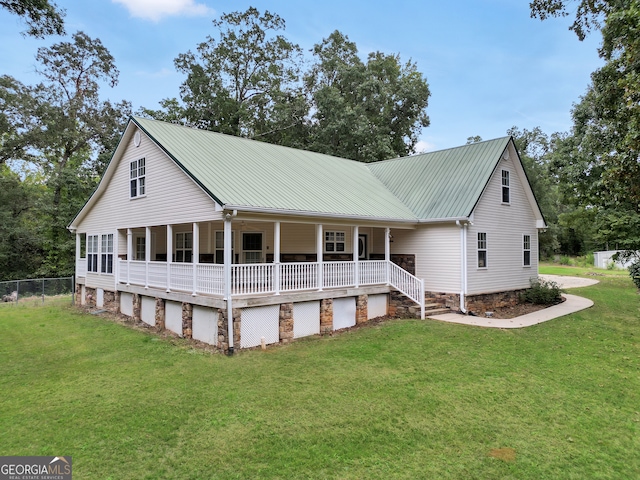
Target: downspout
(463, 264)
(227, 280)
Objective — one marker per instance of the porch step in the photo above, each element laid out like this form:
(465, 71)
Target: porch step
(436, 311)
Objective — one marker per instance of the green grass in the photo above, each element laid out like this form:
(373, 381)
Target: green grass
(556, 269)
(405, 399)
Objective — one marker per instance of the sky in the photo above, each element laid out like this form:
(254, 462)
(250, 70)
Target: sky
(488, 64)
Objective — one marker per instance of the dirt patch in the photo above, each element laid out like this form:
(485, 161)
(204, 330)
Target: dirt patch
(505, 454)
(518, 310)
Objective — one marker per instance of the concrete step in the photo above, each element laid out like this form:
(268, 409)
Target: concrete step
(436, 311)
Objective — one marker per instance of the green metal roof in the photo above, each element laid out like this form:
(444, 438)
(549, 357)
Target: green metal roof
(239, 172)
(442, 184)
(246, 173)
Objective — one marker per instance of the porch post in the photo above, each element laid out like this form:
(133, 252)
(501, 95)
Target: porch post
(147, 254)
(356, 266)
(276, 256)
(387, 251)
(169, 255)
(196, 256)
(227, 279)
(319, 255)
(77, 247)
(129, 253)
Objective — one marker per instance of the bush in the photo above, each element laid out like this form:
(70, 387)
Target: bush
(542, 292)
(634, 271)
(564, 260)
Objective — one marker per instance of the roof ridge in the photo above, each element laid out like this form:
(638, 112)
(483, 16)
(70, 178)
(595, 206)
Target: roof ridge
(439, 151)
(236, 137)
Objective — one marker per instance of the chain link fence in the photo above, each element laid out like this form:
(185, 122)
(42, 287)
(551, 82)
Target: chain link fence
(40, 290)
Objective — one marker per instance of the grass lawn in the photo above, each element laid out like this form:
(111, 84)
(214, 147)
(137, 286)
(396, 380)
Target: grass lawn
(405, 399)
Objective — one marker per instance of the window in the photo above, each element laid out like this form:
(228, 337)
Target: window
(482, 250)
(83, 245)
(137, 178)
(252, 247)
(506, 196)
(334, 241)
(106, 260)
(141, 248)
(92, 253)
(219, 247)
(526, 248)
(184, 247)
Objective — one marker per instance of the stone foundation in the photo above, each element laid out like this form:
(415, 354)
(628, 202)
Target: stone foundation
(479, 304)
(362, 302)
(402, 307)
(159, 314)
(187, 320)
(111, 301)
(449, 300)
(286, 322)
(326, 315)
(90, 296)
(398, 304)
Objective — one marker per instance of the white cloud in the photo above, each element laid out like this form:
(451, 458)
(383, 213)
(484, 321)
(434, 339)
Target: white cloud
(423, 146)
(157, 9)
(162, 73)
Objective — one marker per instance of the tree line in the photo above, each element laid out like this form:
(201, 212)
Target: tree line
(248, 79)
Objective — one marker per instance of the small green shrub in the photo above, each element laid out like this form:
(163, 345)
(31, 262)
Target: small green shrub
(634, 271)
(611, 265)
(590, 260)
(564, 260)
(542, 292)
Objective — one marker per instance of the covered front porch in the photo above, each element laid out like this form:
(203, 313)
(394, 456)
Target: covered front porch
(248, 258)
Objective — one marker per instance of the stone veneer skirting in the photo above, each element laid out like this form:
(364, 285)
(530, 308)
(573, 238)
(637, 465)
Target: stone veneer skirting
(397, 306)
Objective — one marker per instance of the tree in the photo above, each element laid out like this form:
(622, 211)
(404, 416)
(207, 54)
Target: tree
(42, 17)
(600, 165)
(364, 111)
(239, 82)
(65, 133)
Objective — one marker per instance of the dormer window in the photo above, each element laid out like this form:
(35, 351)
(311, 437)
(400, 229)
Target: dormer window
(137, 178)
(506, 194)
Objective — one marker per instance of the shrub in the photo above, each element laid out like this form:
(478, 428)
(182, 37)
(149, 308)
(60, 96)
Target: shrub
(542, 292)
(634, 271)
(564, 260)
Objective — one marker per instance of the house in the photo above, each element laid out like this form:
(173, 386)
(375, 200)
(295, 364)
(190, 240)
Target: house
(189, 228)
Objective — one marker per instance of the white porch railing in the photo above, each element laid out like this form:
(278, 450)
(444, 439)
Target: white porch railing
(260, 278)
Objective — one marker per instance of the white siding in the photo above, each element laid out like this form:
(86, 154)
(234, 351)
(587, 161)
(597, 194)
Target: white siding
(101, 280)
(301, 238)
(171, 196)
(437, 251)
(505, 226)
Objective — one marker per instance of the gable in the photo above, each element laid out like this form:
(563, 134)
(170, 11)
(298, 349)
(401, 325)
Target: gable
(170, 197)
(444, 184)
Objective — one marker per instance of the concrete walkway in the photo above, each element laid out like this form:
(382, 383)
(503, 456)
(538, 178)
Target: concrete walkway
(572, 304)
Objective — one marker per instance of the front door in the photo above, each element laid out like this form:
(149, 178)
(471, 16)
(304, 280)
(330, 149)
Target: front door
(362, 246)
(252, 247)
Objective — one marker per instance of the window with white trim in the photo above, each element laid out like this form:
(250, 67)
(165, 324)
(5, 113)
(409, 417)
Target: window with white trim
(334, 241)
(141, 248)
(106, 257)
(92, 253)
(184, 247)
(526, 250)
(137, 178)
(506, 186)
(482, 250)
(219, 246)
